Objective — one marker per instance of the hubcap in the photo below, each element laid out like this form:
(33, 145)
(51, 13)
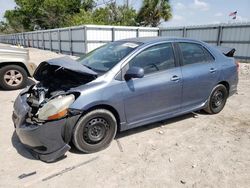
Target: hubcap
(13, 78)
(217, 99)
(95, 130)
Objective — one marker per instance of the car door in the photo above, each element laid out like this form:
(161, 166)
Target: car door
(158, 93)
(200, 74)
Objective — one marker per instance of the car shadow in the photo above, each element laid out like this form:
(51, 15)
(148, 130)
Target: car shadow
(143, 128)
(23, 151)
(150, 126)
(20, 148)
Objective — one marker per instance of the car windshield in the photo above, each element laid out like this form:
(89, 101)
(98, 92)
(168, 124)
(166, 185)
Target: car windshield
(106, 57)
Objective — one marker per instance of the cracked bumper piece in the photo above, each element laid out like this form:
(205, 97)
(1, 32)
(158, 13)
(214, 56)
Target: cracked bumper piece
(47, 141)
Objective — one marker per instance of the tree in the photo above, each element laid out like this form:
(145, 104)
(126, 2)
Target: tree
(152, 11)
(88, 5)
(47, 14)
(112, 14)
(14, 18)
(31, 15)
(55, 12)
(83, 17)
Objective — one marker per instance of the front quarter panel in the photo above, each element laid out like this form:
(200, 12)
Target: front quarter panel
(102, 93)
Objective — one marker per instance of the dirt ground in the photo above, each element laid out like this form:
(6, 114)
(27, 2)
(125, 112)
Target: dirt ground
(189, 151)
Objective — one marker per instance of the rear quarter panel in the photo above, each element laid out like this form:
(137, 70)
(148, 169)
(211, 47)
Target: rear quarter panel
(228, 69)
(229, 73)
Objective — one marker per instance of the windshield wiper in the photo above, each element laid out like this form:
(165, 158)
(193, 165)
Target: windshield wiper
(96, 70)
(88, 67)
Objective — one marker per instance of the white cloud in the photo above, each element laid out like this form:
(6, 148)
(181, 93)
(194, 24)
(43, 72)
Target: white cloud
(241, 19)
(218, 14)
(201, 5)
(178, 18)
(180, 6)
(215, 22)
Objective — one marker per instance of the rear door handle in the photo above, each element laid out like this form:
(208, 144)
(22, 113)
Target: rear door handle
(212, 70)
(175, 78)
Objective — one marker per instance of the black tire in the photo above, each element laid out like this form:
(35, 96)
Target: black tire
(217, 99)
(13, 74)
(94, 131)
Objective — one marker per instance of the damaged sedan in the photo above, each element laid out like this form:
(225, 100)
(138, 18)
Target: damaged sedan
(119, 86)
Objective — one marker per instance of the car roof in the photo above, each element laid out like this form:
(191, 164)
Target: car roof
(146, 40)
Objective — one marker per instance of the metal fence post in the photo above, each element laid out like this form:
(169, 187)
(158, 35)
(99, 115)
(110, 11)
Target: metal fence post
(37, 38)
(15, 40)
(23, 39)
(219, 36)
(59, 40)
(70, 42)
(113, 34)
(159, 32)
(137, 32)
(43, 43)
(184, 34)
(32, 37)
(85, 39)
(50, 40)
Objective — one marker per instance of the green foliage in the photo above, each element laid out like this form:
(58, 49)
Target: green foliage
(47, 14)
(152, 11)
(83, 17)
(55, 12)
(115, 15)
(108, 15)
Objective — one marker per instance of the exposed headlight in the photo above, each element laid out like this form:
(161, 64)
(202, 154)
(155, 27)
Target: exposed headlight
(56, 108)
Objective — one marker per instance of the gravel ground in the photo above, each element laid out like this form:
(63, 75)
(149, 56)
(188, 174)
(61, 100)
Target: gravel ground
(189, 151)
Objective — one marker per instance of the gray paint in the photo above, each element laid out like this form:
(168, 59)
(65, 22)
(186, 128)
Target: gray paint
(137, 102)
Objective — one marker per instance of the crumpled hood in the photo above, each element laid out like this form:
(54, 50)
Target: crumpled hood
(65, 63)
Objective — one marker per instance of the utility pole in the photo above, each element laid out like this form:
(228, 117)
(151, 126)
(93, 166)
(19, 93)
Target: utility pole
(127, 3)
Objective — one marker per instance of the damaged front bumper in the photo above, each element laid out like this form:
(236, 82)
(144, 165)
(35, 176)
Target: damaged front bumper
(47, 141)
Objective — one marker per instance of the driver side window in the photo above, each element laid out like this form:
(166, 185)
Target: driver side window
(156, 58)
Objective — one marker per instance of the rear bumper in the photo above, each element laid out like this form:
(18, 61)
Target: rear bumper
(232, 92)
(46, 141)
(233, 87)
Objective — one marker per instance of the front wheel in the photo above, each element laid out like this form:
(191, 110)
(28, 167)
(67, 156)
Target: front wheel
(94, 131)
(217, 99)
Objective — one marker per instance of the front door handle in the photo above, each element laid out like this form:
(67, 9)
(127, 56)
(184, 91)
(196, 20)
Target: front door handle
(175, 78)
(212, 70)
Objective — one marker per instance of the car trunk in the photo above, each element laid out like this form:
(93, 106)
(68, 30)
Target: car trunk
(229, 52)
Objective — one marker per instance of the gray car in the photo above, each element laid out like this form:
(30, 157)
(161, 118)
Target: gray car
(119, 86)
(15, 67)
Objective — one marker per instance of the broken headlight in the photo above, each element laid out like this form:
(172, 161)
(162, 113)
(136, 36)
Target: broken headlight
(56, 108)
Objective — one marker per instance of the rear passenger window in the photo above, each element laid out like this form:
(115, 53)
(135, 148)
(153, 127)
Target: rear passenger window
(194, 53)
(156, 58)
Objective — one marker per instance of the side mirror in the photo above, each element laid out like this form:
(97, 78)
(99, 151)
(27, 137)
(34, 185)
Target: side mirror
(134, 72)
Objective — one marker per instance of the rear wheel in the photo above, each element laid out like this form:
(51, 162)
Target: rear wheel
(217, 99)
(94, 131)
(13, 77)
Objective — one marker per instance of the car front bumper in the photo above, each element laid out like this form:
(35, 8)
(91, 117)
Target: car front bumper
(47, 141)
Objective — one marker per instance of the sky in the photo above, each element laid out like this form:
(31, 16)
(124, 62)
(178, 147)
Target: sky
(185, 12)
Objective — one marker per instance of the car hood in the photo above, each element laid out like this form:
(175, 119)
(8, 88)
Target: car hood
(12, 49)
(63, 63)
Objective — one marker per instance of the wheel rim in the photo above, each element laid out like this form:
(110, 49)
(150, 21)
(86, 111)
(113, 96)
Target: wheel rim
(95, 131)
(13, 77)
(218, 99)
